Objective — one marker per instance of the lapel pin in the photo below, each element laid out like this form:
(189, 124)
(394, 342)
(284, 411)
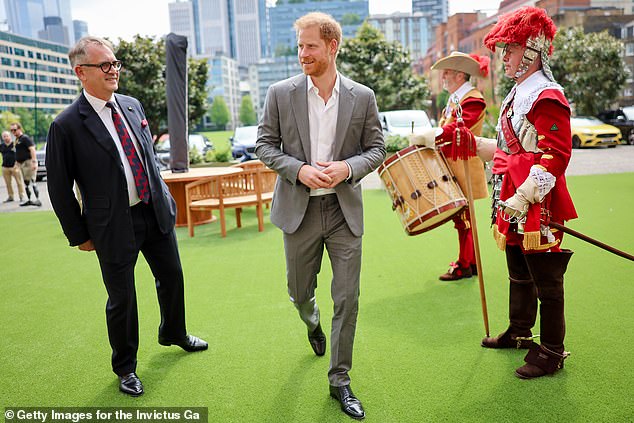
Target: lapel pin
(130, 108)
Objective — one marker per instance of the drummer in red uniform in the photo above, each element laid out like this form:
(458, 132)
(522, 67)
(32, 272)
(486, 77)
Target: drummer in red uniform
(533, 151)
(457, 69)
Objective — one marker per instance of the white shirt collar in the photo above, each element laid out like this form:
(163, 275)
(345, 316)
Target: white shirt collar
(460, 92)
(529, 84)
(97, 103)
(310, 86)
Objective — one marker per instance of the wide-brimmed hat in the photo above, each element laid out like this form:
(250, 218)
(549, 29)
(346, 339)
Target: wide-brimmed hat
(470, 64)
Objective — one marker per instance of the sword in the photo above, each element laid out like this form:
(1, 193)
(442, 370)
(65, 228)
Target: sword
(592, 241)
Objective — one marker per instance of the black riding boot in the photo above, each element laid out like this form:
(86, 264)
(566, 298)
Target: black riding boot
(522, 304)
(548, 271)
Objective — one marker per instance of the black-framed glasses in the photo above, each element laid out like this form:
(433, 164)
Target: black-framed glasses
(105, 66)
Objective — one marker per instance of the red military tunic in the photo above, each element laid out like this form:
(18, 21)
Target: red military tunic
(473, 113)
(550, 116)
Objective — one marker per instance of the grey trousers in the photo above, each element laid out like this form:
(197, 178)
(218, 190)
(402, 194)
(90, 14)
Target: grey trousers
(325, 225)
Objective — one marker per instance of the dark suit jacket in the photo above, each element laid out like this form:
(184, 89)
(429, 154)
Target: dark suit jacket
(79, 148)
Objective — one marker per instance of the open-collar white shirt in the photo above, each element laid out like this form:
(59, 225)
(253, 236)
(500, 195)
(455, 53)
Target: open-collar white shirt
(322, 123)
(105, 114)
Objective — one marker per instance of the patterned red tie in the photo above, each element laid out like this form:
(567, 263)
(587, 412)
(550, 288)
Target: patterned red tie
(140, 178)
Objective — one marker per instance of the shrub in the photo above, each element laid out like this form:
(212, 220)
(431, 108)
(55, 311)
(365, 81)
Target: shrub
(395, 143)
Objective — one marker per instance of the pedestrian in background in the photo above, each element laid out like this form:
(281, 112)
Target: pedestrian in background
(25, 155)
(10, 168)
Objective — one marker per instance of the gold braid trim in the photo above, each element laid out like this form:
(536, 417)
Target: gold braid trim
(500, 238)
(531, 240)
(465, 220)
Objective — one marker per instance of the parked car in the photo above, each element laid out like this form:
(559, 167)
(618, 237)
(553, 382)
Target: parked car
(243, 143)
(162, 148)
(404, 122)
(41, 163)
(589, 131)
(622, 118)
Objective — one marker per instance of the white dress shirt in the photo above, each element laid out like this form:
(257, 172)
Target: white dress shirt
(456, 97)
(322, 122)
(105, 114)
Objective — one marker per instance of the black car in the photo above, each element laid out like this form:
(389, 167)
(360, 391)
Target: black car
(41, 163)
(243, 143)
(622, 118)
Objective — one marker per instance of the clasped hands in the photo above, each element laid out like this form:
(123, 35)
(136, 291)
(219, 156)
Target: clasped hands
(329, 177)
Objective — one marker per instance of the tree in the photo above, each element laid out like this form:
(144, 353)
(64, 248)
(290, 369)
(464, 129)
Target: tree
(247, 113)
(26, 117)
(385, 67)
(219, 113)
(143, 77)
(590, 67)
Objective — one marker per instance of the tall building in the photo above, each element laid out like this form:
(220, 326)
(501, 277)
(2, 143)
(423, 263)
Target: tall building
(35, 74)
(266, 72)
(228, 27)
(349, 13)
(223, 80)
(80, 29)
(439, 9)
(413, 31)
(43, 19)
(182, 22)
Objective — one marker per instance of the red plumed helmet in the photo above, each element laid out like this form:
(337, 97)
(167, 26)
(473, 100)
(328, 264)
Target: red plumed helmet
(483, 61)
(520, 25)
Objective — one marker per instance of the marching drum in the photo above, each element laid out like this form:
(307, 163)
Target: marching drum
(422, 188)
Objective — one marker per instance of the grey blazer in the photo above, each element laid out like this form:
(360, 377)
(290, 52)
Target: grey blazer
(284, 145)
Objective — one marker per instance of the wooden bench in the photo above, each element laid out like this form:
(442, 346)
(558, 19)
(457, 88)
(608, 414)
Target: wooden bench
(250, 187)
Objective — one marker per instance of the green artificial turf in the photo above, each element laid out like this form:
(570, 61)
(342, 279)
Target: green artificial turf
(417, 351)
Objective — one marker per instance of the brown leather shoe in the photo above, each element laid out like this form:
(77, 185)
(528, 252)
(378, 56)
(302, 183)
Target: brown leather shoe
(456, 272)
(508, 340)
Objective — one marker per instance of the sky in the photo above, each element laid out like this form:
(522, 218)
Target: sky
(125, 18)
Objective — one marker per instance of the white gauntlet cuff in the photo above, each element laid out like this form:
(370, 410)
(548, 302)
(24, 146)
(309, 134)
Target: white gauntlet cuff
(544, 180)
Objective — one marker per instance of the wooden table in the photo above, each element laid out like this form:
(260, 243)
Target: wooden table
(176, 183)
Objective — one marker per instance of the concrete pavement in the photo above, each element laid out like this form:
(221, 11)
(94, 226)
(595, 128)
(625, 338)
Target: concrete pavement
(583, 162)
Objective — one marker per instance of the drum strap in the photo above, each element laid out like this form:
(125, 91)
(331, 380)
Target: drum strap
(512, 142)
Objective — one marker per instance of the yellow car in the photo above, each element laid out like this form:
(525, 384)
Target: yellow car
(589, 131)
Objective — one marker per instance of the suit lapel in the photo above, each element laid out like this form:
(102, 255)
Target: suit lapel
(347, 101)
(299, 107)
(93, 123)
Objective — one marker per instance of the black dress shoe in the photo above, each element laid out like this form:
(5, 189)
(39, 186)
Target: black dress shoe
(191, 343)
(131, 384)
(349, 403)
(317, 340)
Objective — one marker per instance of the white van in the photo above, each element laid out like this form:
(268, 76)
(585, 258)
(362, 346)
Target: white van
(404, 122)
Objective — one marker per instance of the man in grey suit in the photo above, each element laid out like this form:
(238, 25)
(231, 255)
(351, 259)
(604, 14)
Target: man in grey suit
(321, 133)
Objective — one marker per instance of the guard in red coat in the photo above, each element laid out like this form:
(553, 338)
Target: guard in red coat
(533, 151)
(457, 69)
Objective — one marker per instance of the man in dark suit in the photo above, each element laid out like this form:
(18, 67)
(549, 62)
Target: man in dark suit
(102, 143)
(321, 133)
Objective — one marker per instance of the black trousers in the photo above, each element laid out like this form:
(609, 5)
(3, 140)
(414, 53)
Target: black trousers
(161, 253)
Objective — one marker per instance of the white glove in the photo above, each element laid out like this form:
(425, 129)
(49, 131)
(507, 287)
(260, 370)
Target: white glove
(425, 137)
(485, 148)
(526, 194)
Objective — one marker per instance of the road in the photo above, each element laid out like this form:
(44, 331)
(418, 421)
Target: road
(584, 162)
